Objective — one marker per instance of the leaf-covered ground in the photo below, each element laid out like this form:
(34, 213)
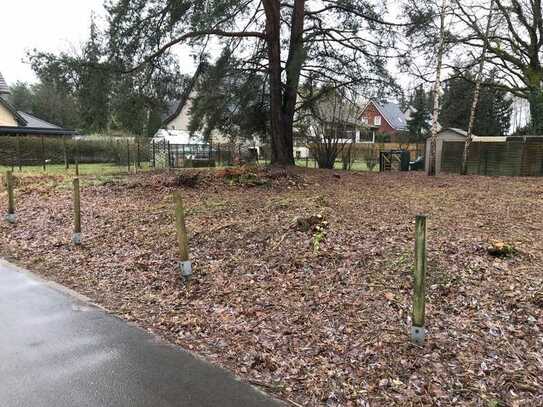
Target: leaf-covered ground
(318, 314)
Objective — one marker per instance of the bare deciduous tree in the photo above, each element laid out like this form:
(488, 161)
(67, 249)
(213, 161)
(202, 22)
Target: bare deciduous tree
(330, 126)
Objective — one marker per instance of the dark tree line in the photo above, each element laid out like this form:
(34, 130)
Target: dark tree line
(492, 116)
(493, 113)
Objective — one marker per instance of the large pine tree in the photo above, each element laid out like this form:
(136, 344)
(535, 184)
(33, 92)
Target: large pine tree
(493, 114)
(94, 84)
(345, 41)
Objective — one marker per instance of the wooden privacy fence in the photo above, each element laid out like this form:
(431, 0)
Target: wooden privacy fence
(517, 156)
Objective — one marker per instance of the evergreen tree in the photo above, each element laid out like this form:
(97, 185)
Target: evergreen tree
(419, 122)
(55, 93)
(21, 96)
(230, 100)
(493, 114)
(286, 42)
(89, 91)
(94, 84)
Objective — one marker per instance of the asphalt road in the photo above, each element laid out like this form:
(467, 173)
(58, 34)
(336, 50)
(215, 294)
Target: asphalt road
(57, 350)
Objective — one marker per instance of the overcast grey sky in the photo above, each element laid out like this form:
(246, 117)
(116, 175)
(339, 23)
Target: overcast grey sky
(50, 25)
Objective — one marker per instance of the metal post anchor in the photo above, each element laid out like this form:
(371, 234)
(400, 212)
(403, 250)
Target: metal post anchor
(11, 217)
(186, 269)
(76, 239)
(418, 334)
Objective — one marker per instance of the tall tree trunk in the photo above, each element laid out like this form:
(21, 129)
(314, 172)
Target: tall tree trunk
(294, 64)
(535, 98)
(476, 92)
(279, 147)
(435, 92)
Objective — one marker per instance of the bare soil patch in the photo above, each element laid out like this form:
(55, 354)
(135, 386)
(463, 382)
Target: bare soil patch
(303, 281)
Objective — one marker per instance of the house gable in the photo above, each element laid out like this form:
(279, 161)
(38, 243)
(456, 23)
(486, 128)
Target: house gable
(373, 117)
(7, 118)
(13, 122)
(179, 118)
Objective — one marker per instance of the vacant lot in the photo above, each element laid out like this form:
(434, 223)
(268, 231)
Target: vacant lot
(316, 318)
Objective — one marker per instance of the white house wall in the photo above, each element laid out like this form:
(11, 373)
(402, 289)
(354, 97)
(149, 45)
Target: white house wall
(6, 117)
(182, 120)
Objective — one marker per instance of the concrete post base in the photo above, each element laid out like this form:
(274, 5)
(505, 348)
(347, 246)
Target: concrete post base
(186, 269)
(11, 218)
(76, 239)
(418, 334)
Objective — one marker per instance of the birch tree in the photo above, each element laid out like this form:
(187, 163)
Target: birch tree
(436, 91)
(476, 92)
(331, 124)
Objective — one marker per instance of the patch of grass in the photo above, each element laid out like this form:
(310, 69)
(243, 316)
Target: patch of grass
(356, 166)
(84, 169)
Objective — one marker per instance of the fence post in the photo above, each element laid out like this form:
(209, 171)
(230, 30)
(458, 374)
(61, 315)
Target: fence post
(128, 155)
(77, 158)
(10, 216)
(417, 329)
(43, 152)
(66, 165)
(154, 159)
(185, 265)
(219, 163)
(138, 152)
(169, 156)
(76, 237)
(18, 147)
(307, 160)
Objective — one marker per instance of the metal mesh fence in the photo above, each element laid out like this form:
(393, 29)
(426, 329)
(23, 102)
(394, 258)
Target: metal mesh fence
(125, 153)
(23, 151)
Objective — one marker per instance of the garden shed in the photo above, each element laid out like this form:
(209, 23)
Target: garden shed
(488, 155)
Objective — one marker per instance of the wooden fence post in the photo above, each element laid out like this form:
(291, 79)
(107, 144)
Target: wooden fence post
(18, 146)
(43, 152)
(138, 153)
(417, 329)
(76, 237)
(65, 153)
(128, 155)
(77, 158)
(154, 158)
(10, 216)
(185, 264)
(169, 156)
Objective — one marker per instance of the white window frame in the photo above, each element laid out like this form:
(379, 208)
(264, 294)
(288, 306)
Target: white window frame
(377, 120)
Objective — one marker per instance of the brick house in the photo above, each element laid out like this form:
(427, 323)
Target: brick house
(384, 118)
